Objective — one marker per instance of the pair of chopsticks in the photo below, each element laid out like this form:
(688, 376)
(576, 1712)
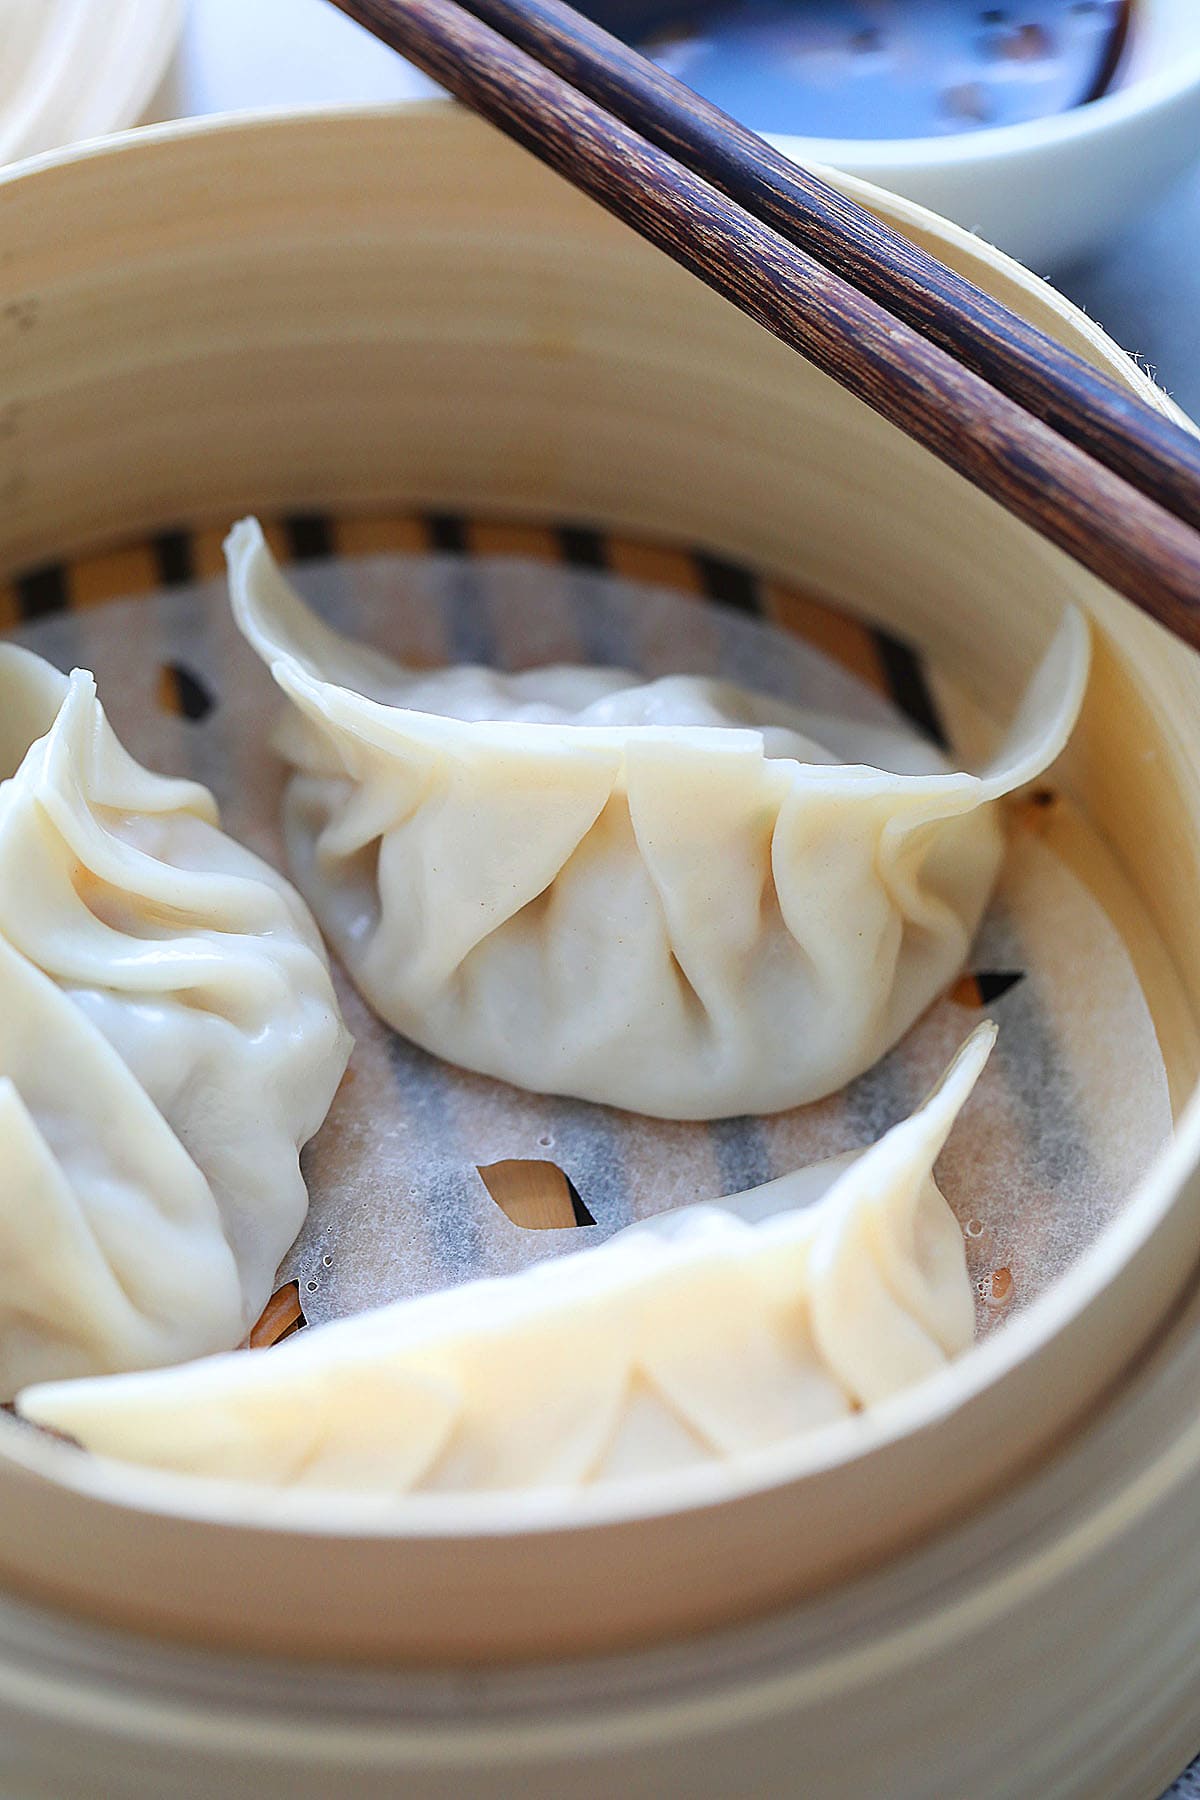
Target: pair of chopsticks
(1102, 475)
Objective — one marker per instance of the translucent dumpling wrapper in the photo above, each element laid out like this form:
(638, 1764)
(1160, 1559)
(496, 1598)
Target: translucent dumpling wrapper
(169, 1037)
(673, 896)
(695, 1338)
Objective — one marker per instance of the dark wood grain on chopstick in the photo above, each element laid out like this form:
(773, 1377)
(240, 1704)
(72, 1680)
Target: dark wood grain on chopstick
(1081, 403)
(1109, 526)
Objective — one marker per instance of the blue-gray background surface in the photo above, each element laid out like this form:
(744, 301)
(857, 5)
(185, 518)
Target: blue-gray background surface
(1145, 292)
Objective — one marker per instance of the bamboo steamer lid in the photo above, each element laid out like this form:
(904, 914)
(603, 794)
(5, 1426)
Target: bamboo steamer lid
(73, 69)
(344, 308)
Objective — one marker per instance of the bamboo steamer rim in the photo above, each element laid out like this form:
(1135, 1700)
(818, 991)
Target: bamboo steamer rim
(905, 215)
(1036, 1323)
(493, 1517)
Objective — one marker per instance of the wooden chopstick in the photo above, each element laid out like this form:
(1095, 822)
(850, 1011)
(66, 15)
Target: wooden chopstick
(1082, 404)
(1124, 536)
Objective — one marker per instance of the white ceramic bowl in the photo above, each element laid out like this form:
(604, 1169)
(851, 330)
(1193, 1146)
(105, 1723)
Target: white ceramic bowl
(1053, 190)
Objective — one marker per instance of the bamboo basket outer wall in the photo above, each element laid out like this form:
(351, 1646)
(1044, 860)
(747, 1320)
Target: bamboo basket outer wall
(355, 308)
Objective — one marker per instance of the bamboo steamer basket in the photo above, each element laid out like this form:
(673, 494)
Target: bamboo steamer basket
(999, 1590)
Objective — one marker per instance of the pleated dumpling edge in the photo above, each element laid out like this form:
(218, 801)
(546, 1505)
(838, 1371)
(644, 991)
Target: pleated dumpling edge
(679, 917)
(169, 1038)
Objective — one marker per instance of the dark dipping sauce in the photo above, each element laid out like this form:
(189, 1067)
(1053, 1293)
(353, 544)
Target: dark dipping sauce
(882, 68)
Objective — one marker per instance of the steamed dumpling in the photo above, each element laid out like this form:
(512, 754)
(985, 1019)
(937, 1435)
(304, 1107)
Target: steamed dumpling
(672, 896)
(694, 1338)
(169, 1037)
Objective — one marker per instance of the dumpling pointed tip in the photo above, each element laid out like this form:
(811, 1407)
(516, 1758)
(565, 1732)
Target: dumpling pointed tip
(957, 1083)
(244, 534)
(38, 1406)
(65, 1405)
(81, 702)
(979, 1046)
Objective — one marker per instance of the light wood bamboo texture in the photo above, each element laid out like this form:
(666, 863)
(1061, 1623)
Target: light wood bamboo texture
(354, 309)
(690, 181)
(535, 1195)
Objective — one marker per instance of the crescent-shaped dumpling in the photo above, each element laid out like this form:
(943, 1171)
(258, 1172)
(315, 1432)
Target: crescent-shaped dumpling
(672, 896)
(169, 1037)
(694, 1338)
